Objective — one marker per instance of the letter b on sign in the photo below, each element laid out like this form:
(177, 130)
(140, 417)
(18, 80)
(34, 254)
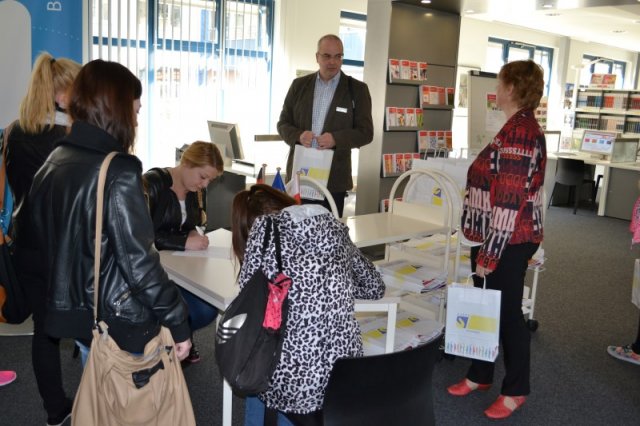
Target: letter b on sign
(54, 6)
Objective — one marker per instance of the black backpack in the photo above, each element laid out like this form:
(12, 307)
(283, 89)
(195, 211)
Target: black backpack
(248, 342)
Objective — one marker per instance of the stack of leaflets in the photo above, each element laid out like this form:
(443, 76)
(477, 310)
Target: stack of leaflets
(411, 276)
(411, 331)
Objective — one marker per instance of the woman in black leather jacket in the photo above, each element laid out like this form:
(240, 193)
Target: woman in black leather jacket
(176, 202)
(136, 296)
(43, 120)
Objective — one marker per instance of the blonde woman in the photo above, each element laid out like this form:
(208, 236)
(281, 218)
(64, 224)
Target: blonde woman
(42, 121)
(176, 197)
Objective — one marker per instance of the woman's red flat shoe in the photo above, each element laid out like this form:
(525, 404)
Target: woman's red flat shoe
(504, 406)
(463, 388)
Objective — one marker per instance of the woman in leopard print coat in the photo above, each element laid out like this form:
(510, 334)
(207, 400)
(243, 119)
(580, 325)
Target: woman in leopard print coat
(328, 273)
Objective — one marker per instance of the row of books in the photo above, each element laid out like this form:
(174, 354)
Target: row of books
(634, 101)
(589, 99)
(396, 163)
(436, 95)
(405, 69)
(404, 117)
(587, 121)
(434, 139)
(612, 123)
(614, 100)
(633, 125)
(608, 100)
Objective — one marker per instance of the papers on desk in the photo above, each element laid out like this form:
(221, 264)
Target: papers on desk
(411, 331)
(219, 246)
(411, 276)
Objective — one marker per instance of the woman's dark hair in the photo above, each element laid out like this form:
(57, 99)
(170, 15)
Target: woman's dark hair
(247, 206)
(527, 79)
(102, 95)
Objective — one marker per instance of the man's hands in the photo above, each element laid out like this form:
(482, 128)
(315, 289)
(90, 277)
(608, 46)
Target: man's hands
(324, 141)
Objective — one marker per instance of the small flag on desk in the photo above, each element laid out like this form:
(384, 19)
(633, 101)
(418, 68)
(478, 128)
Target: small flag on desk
(278, 182)
(294, 191)
(261, 174)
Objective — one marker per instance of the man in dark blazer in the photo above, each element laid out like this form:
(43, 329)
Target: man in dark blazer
(328, 110)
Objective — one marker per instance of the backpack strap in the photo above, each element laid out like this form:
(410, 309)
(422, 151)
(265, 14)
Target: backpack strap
(276, 237)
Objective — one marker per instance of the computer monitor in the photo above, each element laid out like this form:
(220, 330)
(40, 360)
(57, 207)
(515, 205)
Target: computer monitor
(227, 137)
(598, 142)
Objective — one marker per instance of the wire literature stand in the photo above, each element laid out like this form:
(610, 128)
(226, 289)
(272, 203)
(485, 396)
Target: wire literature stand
(450, 175)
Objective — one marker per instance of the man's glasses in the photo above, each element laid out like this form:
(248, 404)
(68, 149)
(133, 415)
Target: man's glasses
(327, 57)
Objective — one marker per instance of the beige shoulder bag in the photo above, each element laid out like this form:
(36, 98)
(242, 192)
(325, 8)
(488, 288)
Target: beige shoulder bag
(119, 388)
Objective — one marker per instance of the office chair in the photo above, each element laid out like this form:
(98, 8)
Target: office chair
(574, 174)
(382, 390)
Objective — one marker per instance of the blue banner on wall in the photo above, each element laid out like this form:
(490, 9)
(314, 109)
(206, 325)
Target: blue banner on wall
(56, 27)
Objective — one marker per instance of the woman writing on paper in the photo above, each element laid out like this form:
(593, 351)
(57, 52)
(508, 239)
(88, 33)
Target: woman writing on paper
(176, 198)
(503, 211)
(328, 273)
(136, 296)
(43, 120)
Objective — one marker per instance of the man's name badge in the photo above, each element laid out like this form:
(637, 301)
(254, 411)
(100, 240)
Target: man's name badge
(340, 109)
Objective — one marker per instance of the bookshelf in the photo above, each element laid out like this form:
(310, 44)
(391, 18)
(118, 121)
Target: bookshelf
(610, 110)
(404, 31)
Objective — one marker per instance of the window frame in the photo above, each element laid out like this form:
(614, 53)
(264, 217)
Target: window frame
(507, 45)
(344, 14)
(611, 64)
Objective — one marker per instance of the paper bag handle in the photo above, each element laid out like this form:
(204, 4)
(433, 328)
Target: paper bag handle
(484, 284)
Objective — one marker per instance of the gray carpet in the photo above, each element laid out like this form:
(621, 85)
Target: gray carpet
(583, 305)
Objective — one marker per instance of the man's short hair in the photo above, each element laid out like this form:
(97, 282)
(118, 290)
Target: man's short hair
(329, 37)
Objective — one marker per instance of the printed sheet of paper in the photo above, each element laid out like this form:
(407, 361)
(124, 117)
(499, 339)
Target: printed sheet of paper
(219, 246)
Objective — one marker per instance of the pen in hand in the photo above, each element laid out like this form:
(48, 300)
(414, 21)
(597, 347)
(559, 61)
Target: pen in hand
(200, 230)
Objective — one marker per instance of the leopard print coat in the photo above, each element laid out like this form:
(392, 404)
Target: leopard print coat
(328, 273)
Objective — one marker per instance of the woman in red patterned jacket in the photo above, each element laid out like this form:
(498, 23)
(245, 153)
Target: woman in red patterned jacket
(503, 212)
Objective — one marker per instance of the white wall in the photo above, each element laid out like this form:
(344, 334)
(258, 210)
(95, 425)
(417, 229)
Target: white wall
(15, 62)
(299, 25)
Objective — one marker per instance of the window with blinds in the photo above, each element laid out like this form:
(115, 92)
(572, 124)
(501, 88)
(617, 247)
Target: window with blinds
(198, 60)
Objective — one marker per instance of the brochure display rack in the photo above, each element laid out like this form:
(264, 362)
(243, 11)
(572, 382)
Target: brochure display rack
(416, 97)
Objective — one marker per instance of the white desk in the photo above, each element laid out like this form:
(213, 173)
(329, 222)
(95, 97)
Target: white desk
(214, 280)
(585, 158)
(381, 228)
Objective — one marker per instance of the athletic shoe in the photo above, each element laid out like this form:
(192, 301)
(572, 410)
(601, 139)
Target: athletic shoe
(624, 353)
(7, 377)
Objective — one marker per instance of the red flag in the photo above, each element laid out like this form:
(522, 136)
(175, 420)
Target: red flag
(261, 174)
(294, 190)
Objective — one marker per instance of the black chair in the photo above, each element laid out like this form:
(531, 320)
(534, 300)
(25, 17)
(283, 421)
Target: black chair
(574, 174)
(382, 390)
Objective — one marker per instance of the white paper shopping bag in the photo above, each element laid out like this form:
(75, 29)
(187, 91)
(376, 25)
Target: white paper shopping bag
(315, 163)
(635, 289)
(473, 322)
